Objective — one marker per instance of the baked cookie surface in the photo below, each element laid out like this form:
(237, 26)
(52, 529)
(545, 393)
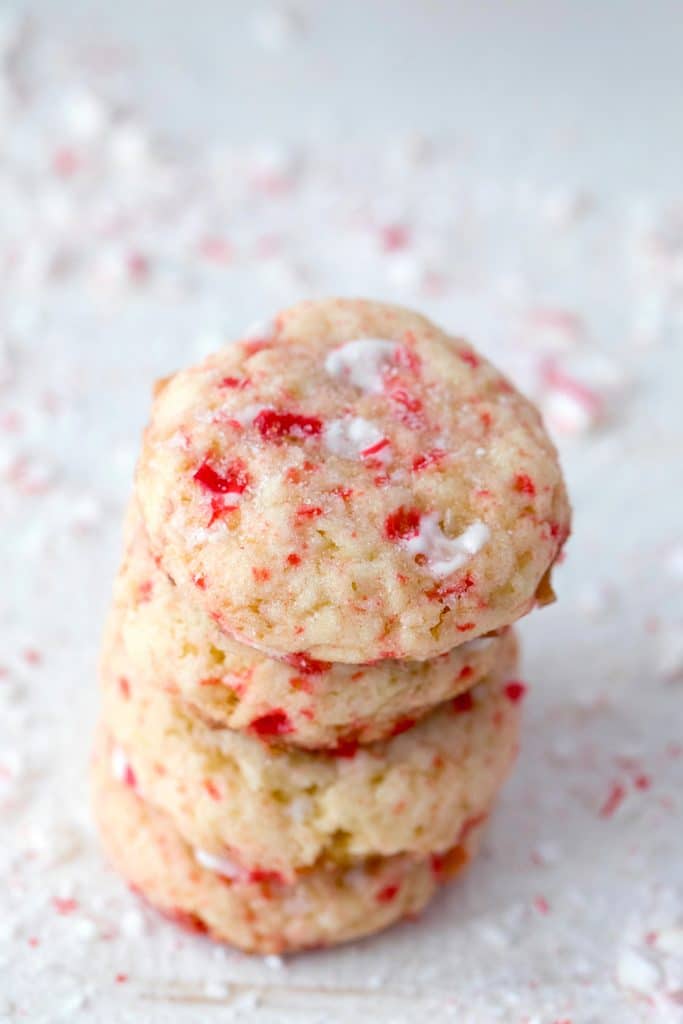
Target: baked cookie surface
(212, 896)
(164, 641)
(352, 483)
(278, 810)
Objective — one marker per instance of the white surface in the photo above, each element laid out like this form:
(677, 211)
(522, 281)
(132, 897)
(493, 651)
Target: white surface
(559, 253)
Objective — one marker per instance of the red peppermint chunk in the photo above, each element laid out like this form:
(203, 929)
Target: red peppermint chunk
(274, 425)
(344, 492)
(64, 906)
(614, 800)
(345, 748)
(388, 893)
(403, 725)
(431, 458)
(524, 484)
(275, 723)
(375, 448)
(407, 357)
(470, 358)
(403, 397)
(462, 703)
(236, 383)
(234, 480)
(559, 533)
(219, 509)
(212, 789)
(395, 237)
(458, 588)
(403, 523)
(541, 904)
(308, 666)
(309, 512)
(515, 691)
(184, 919)
(258, 875)
(306, 686)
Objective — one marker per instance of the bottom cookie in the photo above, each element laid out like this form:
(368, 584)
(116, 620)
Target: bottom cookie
(325, 905)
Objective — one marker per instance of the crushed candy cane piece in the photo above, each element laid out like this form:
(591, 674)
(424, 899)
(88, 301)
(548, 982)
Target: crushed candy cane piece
(121, 768)
(233, 480)
(220, 865)
(275, 425)
(362, 362)
(354, 437)
(637, 973)
(444, 554)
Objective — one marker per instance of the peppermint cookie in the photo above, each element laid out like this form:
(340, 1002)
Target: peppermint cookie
(278, 809)
(353, 483)
(212, 895)
(162, 640)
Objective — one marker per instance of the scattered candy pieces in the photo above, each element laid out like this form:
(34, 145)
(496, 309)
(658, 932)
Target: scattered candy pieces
(637, 973)
(96, 205)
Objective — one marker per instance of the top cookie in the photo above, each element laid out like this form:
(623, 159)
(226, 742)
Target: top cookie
(352, 483)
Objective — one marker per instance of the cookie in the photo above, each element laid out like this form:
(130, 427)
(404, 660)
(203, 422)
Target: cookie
(164, 641)
(352, 483)
(276, 809)
(213, 896)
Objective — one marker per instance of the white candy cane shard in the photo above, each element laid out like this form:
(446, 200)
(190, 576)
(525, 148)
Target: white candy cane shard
(444, 554)
(362, 362)
(120, 768)
(246, 416)
(356, 438)
(220, 865)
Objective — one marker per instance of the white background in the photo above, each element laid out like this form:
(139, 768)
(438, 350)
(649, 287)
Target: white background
(533, 151)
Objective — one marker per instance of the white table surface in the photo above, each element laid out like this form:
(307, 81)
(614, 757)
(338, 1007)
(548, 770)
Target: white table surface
(532, 153)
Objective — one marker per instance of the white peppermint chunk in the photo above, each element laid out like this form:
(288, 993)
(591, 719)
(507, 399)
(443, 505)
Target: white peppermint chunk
(637, 973)
(247, 415)
(361, 362)
(119, 765)
(221, 865)
(352, 437)
(569, 414)
(670, 940)
(446, 554)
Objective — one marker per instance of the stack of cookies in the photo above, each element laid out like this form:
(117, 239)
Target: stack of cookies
(309, 688)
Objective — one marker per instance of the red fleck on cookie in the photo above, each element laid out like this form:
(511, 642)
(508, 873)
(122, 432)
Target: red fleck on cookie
(370, 461)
